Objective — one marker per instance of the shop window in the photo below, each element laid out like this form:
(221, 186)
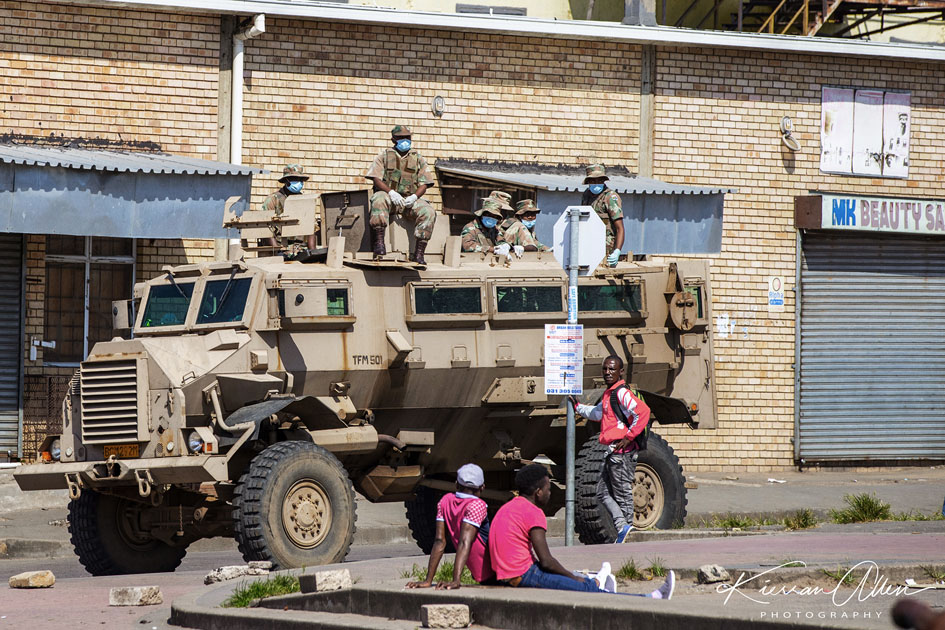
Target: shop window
(865, 132)
(83, 276)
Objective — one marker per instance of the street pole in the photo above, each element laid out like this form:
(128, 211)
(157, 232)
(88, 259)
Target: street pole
(575, 225)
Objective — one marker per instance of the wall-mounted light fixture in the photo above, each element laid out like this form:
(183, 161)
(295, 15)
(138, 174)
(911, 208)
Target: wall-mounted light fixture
(787, 137)
(438, 106)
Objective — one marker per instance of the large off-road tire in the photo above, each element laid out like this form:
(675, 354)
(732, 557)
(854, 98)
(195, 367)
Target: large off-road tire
(659, 491)
(105, 537)
(295, 507)
(421, 518)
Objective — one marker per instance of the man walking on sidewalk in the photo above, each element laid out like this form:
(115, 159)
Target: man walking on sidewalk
(623, 423)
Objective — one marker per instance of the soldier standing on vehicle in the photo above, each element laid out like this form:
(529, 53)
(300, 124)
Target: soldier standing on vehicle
(623, 417)
(482, 234)
(520, 234)
(401, 176)
(293, 179)
(606, 204)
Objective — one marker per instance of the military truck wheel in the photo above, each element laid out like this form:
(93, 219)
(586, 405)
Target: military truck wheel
(105, 535)
(659, 491)
(421, 518)
(294, 507)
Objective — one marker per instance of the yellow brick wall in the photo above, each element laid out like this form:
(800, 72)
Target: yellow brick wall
(717, 124)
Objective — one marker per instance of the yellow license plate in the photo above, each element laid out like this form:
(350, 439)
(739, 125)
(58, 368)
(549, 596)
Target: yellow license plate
(122, 451)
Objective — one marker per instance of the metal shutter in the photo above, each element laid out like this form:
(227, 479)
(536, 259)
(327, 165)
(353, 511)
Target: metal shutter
(872, 348)
(11, 308)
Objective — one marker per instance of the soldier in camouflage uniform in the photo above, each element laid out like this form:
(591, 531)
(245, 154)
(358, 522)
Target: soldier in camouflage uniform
(508, 213)
(293, 179)
(607, 205)
(401, 176)
(482, 234)
(521, 233)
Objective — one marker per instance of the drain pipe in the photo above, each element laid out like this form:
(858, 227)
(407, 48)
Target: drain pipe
(256, 27)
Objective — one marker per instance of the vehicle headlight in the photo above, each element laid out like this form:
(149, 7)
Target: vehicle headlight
(55, 449)
(195, 442)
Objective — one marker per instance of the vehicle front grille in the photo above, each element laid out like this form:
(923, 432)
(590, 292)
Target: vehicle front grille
(109, 395)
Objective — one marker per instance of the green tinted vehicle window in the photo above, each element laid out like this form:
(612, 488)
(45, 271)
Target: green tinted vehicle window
(696, 292)
(337, 301)
(446, 300)
(608, 297)
(528, 299)
(167, 305)
(223, 301)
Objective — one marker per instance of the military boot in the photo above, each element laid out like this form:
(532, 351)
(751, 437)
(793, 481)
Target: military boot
(379, 248)
(418, 253)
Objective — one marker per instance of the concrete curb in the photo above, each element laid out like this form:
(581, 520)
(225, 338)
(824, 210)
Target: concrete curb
(16, 548)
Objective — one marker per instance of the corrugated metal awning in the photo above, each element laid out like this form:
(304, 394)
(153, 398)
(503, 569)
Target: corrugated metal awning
(123, 194)
(568, 179)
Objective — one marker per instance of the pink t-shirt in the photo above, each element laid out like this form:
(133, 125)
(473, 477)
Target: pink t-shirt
(509, 545)
(457, 508)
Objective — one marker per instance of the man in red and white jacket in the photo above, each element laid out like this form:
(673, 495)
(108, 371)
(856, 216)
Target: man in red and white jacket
(618, 430)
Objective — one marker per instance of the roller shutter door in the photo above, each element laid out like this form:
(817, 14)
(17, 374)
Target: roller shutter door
(872, 348)
(11, 308)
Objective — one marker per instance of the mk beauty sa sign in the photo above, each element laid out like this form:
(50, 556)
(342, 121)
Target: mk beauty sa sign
(882, 214)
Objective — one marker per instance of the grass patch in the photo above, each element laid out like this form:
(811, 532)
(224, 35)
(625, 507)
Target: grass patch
(918, 516)
(733, 521)
(934, 572)
(842, 575)
(246, 593)
(801, 519)
(861, 508)
(443, 574)
(629, 571)
(657, 568)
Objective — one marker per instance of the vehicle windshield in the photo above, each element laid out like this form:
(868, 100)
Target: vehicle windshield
(223, 300)
(167, 305)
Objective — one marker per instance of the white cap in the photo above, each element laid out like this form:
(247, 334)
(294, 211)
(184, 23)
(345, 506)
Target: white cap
(470, 476)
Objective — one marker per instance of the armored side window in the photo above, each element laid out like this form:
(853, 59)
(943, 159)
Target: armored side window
(515, 302)
(223, 301)
(444, 304)
(167, 305)
(616, 298)
(319, 305)
(696, 293)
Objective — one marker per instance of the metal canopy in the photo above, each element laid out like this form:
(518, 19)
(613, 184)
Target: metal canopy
(91, 192)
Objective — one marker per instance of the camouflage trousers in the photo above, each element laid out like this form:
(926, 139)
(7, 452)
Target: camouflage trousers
(422, 213)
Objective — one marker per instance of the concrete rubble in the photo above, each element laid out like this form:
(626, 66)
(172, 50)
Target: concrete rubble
(712, 573)
(444, 615)
(222, 574)
(135, 596)
(322, 581)
(33, 579)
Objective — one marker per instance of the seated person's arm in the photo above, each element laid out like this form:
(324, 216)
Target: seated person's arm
(380, 185)
(422, 189)
(546, 561)
(436, 554)
(467, 535)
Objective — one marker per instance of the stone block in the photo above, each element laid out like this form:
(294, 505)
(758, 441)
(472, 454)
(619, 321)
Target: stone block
(135, 596)
(222, 574)
(322, 581)
(444, 615)
(712, 573)
(33, 579)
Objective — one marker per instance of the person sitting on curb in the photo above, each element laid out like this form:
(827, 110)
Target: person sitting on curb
(620, 426)
(517, 537)
(463, 516)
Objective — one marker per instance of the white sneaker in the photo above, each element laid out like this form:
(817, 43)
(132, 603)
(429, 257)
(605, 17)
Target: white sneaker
(666, 590)
(606, 579)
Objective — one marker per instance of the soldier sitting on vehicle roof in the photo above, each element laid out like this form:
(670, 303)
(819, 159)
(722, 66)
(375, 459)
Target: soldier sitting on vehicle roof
(508, 213)
(482, 234)
(401, 176)
(293, 179)
(520, 233)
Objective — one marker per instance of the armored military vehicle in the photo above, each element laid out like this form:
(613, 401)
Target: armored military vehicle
(251, 398)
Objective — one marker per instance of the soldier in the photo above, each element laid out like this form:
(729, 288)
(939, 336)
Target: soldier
(481, 234)
(293, 179)
(521, 233)
(607, 205)
(508, 213)
(401, 176)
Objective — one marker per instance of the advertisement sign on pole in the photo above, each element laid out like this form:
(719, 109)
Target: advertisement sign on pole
(564, 359)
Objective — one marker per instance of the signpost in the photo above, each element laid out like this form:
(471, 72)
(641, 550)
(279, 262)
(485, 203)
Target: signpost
(579, 245)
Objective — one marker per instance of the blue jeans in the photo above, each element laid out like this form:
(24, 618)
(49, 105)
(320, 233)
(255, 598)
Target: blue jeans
(536, 578)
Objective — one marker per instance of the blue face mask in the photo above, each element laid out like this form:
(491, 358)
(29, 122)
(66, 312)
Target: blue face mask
(596, 188)
(294, 187)
(489, 222)
(529, 224)
(403, 145)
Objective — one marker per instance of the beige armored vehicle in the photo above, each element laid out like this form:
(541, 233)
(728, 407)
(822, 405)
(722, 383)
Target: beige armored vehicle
(253, 398)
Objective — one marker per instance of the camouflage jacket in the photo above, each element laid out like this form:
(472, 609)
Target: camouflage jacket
(518, 234)
(608, 208)
(405, 174)
(275, 203)
(477, 238)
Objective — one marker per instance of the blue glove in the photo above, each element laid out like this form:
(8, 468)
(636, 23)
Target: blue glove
(613, 258)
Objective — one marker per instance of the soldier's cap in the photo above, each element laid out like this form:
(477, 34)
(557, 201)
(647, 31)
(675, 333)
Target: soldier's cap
(400, 131)
(503, 198)
(596, 170)
(526, 205)
(293, 171)
(490, 206)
